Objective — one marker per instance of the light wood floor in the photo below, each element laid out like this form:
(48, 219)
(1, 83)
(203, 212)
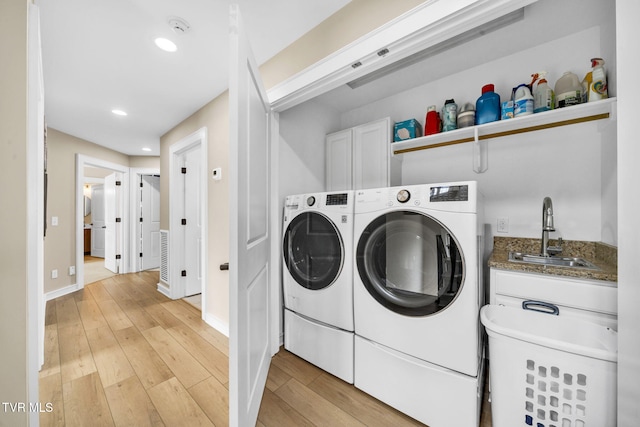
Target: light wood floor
(120, 353)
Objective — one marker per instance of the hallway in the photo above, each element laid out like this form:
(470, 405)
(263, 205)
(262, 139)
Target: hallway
(120, 353)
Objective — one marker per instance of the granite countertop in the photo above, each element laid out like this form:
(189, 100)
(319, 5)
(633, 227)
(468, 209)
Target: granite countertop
(602, 255)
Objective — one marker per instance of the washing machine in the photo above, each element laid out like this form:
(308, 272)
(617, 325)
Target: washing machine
(417, 296)
(317, 247)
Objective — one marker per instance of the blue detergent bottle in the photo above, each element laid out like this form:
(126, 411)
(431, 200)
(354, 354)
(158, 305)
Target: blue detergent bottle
(488, 106)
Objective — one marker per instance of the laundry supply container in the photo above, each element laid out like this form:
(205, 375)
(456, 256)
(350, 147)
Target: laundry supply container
(550, 371)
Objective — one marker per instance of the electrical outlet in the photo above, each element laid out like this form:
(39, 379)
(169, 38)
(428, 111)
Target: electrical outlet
(72, 270)
(54, 274)
(503, 225)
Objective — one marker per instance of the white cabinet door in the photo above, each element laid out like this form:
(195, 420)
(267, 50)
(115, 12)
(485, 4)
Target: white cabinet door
(358, 158)
(371, 154)
(339, 158)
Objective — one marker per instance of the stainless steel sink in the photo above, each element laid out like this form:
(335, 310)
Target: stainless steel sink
(553, 261)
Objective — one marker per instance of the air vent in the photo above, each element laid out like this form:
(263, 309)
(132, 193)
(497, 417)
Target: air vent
(164, 257)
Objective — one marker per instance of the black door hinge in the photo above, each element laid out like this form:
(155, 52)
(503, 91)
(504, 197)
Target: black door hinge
(140, 219)
(118, 256)
(118, 183)
(141, 185)
(184, 170)
(140, 254)
(184, 221)
(184, 273)
(118, 219)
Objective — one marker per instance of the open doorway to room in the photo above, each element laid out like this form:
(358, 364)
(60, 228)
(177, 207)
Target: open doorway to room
(94, 224)
(107, 185)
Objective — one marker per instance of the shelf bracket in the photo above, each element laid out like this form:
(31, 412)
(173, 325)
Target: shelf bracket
(480, 153)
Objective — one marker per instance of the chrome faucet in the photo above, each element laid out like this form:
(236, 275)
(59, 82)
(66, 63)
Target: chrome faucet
(547, 224)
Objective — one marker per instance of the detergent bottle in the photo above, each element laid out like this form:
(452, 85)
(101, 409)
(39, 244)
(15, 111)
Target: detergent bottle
(597, 88)
(522, 100)
(543, 98)
(568, 90)
(488, 105)
(432, 121)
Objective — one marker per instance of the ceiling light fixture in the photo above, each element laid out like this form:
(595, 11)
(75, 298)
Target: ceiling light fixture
(166, 44)
(146, 149)
(119, 112)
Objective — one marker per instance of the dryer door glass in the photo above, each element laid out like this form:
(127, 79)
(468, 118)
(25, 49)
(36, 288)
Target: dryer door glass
(313, 250)
(410, 263)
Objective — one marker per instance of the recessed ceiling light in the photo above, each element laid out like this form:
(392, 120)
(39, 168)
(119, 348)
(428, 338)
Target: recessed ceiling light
(146, 149)
(119, 112)
(166, 44)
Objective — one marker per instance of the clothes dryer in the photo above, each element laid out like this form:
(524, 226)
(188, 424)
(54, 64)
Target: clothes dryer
(417, 297)
(318, 280)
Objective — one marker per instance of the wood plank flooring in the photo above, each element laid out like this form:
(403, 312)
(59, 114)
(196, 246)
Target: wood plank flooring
(119, 353)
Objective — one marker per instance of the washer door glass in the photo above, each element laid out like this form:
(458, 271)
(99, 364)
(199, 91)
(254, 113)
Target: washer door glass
(410, 263)
(313, 250)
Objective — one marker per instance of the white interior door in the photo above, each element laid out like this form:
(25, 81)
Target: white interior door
(150, 221)
(249, 266)
(97, 221)
(112, 221)
(193, 222)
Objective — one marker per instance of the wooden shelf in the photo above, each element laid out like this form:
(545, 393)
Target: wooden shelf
(582, 113)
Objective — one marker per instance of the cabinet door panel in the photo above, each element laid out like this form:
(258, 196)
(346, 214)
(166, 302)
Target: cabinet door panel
(371, 154)
(339, 161)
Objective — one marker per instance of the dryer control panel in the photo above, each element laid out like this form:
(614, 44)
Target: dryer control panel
(449, 193)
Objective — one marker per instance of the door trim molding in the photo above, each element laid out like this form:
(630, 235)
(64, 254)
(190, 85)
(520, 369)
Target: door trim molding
(197, 138)
(82, 161)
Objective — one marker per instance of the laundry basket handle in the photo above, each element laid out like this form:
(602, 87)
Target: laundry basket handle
(541, 306)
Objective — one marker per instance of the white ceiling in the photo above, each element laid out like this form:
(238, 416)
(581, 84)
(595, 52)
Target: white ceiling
(100, 55)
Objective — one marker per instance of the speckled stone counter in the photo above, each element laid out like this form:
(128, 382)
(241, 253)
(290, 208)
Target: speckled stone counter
(602, 255)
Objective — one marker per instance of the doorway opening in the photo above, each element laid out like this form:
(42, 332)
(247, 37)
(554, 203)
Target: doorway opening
(107, 216)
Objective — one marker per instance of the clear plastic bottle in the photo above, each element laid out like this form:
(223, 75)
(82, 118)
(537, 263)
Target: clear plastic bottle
(488, 106)
(568, 90)
(544, 98)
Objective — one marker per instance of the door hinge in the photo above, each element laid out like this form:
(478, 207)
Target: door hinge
(184, 221)
(141, 185)
(184, 170)
(184, 273)
(118, 183)
(118, 219)
(140, 254)
(140, 219)
(118, 256)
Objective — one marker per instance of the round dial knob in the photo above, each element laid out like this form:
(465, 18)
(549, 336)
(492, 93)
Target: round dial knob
(311, 201)
(403, 196)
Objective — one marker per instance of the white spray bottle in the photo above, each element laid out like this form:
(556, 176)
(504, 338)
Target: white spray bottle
(543, 97)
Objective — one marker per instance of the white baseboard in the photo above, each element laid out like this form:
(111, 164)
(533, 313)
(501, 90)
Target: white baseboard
(164, 290)
(217, 324)
(60, 292)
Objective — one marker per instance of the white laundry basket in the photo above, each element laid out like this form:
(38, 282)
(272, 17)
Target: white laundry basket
(550, 371)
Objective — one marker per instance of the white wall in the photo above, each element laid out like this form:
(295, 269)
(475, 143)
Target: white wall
(302, 147)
